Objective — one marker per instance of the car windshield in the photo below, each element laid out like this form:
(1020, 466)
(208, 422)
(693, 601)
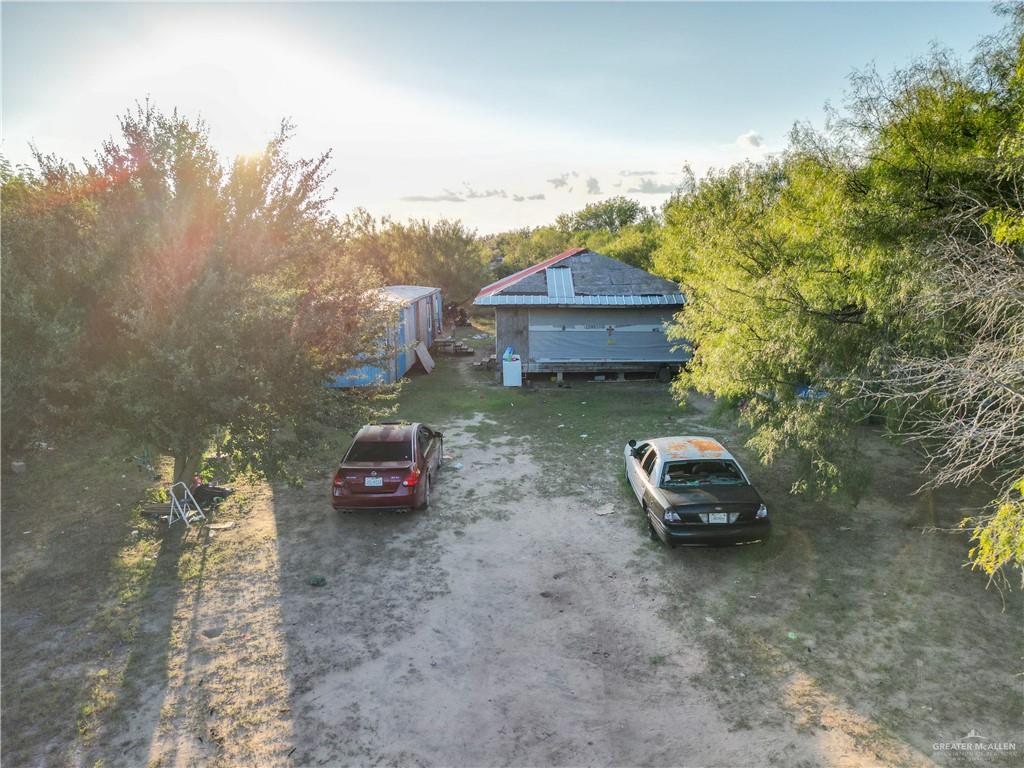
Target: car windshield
(687, 474)
(380, 450)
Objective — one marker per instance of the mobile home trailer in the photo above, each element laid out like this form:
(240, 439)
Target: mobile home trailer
(419, 321)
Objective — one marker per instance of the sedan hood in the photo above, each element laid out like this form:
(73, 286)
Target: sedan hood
(709, 495)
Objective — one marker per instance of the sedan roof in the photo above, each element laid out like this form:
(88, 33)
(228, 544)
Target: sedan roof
(386, 433)
(689, 447)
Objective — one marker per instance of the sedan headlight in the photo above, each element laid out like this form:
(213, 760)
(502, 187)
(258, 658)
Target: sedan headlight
(762, 512)
(672, 517)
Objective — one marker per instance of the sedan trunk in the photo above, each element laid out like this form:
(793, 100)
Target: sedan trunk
(374, 477)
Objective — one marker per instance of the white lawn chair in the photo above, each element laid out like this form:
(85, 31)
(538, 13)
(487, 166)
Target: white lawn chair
(183, 506)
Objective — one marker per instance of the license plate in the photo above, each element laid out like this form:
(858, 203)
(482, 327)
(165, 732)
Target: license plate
(373, 481)
(718, 517)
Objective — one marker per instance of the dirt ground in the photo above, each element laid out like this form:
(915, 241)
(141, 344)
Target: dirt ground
(524, 620)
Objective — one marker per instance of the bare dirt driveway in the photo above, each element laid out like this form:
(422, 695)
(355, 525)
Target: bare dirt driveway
(524, 620)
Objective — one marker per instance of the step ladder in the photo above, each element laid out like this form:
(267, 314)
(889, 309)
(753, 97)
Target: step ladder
(183, 506)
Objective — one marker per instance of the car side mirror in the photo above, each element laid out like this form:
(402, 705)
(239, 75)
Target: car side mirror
(439, 434)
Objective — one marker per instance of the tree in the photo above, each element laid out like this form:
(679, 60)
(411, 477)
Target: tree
(873, 267)
(612, 215)
(776, 303)
(543, 243)
(964, 405)
(46, 291)
(443, 254)
(209, 304)
(618, 227)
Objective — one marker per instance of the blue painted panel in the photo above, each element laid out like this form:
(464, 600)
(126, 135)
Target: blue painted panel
(363, 376)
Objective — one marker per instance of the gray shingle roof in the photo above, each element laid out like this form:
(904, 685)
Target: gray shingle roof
(594, 274)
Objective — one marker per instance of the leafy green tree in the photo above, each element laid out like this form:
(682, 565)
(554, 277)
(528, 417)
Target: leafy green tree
(776, 303)
(611, 215)
(634, 245)
(499, 248)
(208, 304)
(47, 289)
(542, 243)
(444, 253)
(618, 227)
(872, 267)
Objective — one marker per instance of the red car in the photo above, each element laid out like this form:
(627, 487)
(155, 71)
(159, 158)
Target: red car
(391, 465)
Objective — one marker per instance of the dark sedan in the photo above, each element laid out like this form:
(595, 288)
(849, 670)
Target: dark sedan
(693, 491)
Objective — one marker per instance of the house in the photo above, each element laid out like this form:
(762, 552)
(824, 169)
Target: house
(581, 311)
(418, 323)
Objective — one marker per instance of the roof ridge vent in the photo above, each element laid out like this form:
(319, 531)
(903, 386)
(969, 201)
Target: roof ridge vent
(559, 280)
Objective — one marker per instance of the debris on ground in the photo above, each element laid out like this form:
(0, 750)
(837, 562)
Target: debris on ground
(457, 465)
(792, 635)
(317, 581)
(709, 620)
(221, 526)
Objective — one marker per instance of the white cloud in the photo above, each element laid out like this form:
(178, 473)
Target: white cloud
(447, 197)
(750, 139)
(474, 194)
(651, 187)
(559, 181)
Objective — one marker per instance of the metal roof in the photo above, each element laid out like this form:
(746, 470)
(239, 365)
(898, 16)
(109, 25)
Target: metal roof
(532, 300)
(407, 293)
(691, 447)
(559, 281)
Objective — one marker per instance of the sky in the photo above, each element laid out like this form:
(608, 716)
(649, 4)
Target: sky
(501, 115)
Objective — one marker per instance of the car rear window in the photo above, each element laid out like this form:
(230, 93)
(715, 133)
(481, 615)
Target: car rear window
(380, 450)
(688, 474)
